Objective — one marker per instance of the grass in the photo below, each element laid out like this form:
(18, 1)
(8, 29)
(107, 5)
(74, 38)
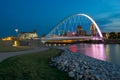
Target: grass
(33, 66)
(13, 49)
(6, 46)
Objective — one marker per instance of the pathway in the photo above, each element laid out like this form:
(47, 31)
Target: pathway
(6, 55)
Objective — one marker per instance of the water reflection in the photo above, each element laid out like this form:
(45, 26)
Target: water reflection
(113, 53)
(73, 48)
(93, 50)
(108, 52)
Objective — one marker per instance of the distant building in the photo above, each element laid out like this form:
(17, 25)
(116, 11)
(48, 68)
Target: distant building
(93, 30)
(69, 34)
(27, 35)
(119, 35)
(105, 35)
(83, 33)
(9, 38)
(80, 31)
(64, 34)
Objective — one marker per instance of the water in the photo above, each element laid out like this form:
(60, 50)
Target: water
(108, 52)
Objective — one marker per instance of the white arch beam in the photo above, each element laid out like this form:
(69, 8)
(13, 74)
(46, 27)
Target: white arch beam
(93, 23)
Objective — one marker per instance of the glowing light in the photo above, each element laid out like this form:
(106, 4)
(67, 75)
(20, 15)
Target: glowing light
(73, 48)
(59, 44)
(73, 33)
(67, 41)
(16, 30)
(7, 39)
(16, 43)
(54, 44)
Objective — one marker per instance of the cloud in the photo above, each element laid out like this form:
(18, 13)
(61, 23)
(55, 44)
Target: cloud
(103, 15)
(109, 21)
(113, 26)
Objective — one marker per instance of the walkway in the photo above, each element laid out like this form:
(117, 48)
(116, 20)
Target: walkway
(6, 55)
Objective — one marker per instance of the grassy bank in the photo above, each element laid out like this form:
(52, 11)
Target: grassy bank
(6, 46)
(13, 49)
(31, 67)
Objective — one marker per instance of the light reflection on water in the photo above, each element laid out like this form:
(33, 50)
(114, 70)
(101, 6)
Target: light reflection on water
(113, 53)
(108, 52)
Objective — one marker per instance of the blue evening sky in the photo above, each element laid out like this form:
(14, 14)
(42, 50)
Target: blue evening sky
(43, 15)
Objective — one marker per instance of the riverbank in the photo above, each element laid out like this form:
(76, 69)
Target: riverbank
(112, 41)
(79, 66)
(32, 66)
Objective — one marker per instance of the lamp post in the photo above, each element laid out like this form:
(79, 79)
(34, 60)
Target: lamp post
(16, 30)
(16, 43)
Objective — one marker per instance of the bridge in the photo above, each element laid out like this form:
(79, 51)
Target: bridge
(75, 28)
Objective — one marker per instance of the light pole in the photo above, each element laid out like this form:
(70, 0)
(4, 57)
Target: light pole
(16, 43)
(16, 30)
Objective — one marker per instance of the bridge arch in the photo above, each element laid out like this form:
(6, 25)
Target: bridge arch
(93, 23)
(70, 17)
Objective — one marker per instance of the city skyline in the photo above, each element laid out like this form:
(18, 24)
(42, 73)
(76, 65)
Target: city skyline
(27, 15)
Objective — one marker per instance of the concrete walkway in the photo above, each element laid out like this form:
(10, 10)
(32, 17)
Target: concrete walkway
(6, 55)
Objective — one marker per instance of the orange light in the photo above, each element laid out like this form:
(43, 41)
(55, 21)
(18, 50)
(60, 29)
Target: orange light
(67, 41)
(16, 43)
(7, 39)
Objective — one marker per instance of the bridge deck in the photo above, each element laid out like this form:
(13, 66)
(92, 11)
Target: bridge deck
(70, 38)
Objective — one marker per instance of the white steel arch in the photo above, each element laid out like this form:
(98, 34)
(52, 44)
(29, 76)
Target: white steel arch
(85, 15)
(93, 23)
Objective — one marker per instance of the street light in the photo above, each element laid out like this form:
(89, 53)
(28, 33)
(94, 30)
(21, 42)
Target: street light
(16, 30)
(16, 42)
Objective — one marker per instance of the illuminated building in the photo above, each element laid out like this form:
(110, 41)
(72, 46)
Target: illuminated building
(80, 31)
(93, 30)
(27, 35)
(73, 34)
(8, 38)
(105, 35)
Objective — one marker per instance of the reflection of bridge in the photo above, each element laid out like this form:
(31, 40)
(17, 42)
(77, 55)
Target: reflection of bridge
(76, 28)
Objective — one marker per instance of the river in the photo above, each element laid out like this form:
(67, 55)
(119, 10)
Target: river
(105, 52)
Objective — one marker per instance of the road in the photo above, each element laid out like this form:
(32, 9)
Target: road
(6, 55)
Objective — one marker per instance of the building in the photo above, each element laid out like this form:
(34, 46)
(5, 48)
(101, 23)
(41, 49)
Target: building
(69, 34)
(83, 33)
(93, 30)
(80, 31)
(27, 35)
(105, 35)
(9, 38)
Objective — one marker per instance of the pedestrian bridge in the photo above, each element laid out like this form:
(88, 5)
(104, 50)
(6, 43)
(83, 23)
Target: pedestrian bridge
(78, 27)
(70, 39)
